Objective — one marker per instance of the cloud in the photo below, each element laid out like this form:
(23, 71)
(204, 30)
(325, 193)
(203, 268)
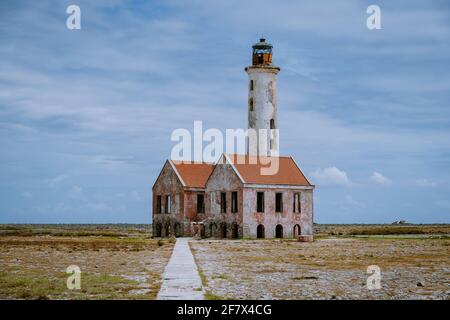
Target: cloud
(349, 200)
(102, 110)
(75, 192)
(27, 195)
(331, 176)
(56, 180)
(380, 179)
(426, 183)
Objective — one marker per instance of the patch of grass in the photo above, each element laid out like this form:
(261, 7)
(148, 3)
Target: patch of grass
(34, 267)
(76, 230)
(31, 284)
(379, 229)
(211, 296)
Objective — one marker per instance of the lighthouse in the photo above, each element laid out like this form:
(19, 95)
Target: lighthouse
(262, 102)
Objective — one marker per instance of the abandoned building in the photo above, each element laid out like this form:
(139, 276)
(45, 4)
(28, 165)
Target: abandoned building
(232, 198)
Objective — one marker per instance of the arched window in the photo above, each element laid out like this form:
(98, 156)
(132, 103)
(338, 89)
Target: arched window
(279, 231)
(297, 231)
(272, 127)
(260, 233)
(252, 84)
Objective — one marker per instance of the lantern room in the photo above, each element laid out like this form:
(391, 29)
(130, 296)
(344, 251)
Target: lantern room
(262, 53)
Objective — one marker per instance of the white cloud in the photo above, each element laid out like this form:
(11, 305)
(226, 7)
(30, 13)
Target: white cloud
(380, 179)
(56, 180)
(27, 195)
(75, 192)
(349, 200)
(426, 183)
(331, 176)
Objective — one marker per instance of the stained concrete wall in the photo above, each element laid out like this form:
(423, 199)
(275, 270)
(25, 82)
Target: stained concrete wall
(243, 223)
(173, 222)
(270, 219)
(190, 209)
(262, 104)
(223, 179)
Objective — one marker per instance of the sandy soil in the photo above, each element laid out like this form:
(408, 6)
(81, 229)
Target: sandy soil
(330, 268)
(111, 268)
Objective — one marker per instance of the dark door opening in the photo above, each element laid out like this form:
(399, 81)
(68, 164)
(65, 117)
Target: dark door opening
(158, 230)
(260, 234)
(224, 231)
(279, 231)
(296, 231)
(235, 231)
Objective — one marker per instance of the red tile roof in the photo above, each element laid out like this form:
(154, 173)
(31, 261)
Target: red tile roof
(194, 174)
(250, 168)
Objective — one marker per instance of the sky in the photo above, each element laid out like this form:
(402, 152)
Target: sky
(86, 115)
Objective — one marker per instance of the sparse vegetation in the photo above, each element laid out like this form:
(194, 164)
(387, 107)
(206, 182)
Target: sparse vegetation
(116, 262)
(76, 230)
(332, 267)
(343, 230)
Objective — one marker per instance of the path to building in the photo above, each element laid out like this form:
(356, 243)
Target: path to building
(180, 278)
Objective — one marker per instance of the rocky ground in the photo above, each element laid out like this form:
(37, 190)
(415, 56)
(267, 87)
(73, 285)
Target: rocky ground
(113, 265)
(329, 268)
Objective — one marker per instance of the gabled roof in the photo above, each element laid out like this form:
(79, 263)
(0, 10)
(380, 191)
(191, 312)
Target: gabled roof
(250, 169)
(193, 174)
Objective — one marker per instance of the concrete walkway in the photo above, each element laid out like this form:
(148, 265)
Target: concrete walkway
(180, 278)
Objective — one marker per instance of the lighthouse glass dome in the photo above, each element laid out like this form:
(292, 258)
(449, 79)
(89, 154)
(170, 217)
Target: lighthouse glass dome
(262, 53)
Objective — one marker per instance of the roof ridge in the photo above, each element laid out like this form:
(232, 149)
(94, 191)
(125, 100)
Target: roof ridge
(190, 162)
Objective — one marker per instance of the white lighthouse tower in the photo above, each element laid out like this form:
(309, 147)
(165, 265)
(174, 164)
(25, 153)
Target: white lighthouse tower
(262, 101)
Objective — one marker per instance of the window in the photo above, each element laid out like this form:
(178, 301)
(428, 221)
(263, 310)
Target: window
(260, 201)
(252, 83)
(272, 124)
(297, 203)
(167, 207)
(278, 202)
(158, 204)
(250, 103)
(223, 202)
(200, 203)
(234, 202)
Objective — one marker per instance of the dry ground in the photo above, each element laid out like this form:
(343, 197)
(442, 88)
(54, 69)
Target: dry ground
(412, 267)
(115, 263)
(123, 262)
